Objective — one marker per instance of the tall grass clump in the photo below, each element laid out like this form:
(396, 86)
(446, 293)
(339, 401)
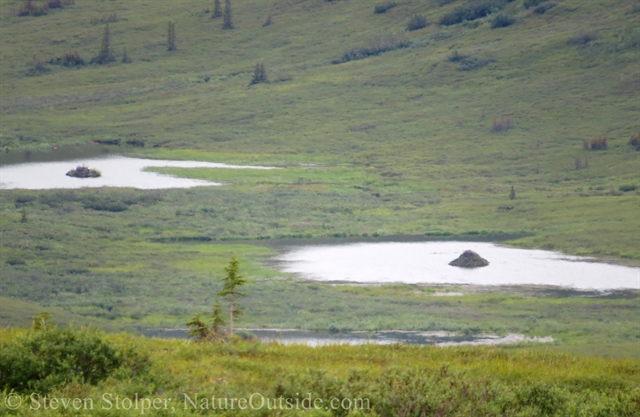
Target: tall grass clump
(416, 22)
(384, 7)
(375, 46)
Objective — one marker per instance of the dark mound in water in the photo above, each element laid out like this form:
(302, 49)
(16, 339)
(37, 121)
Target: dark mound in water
(84, 172)
(469, 259)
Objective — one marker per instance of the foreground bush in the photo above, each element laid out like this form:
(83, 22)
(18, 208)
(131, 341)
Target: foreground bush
(50, 357)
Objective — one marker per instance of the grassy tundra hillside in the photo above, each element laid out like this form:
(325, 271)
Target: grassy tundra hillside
(379, 130)
(428, 137)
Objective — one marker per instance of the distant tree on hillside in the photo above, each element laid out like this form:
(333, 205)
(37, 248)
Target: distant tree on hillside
(171, 37)
(259, 74)
(106, 53)
(269, 21)
(125, 57)
(217, 10)
(512, 193)
(227, 24)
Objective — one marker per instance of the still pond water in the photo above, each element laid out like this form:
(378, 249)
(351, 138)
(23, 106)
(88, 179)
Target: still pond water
(323, 337)
(42, 171)
(428, 262)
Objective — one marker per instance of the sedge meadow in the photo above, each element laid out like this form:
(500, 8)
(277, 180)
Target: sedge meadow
(505, 124)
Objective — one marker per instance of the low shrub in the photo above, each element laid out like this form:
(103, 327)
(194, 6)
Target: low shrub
(581, 38)
(69, 59)
(455, 56)
(634, 141)
(444, 2)
(49, 357)
(532, 3)
(472, 63)
(39, 66)
(416, 22)
(502, 123)
(29, 8)
(542, 9)
(627, 188)
(384, 7)
(375, 46)
(501, 20)
(595, 144)
(470, 11)
(106, 18)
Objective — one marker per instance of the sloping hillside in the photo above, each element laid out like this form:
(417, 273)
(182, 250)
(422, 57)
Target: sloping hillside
(464, 109)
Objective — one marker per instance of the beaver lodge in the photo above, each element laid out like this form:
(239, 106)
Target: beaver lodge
(82, 171)
(469, 259)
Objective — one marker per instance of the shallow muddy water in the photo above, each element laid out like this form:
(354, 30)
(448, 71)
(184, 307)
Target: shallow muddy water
(428, 263)
(323, 337)
(40, 171)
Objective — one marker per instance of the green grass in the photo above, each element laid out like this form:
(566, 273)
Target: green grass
(455, 381)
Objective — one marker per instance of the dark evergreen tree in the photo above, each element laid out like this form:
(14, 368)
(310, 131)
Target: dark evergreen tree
(269, 22)
(106, 53)
(171, 37)
(125, 58)
(227, 24)
(259, 74)
(231, 290)
(512, 193)
(217, 10)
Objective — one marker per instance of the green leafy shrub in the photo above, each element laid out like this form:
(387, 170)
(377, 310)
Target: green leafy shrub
(384, 7)
(501, 20)
(416, 22)
(375, 46)
(50, 357)
(470, 11)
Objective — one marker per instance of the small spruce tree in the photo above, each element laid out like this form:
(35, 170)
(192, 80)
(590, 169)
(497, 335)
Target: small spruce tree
(217, 321)
(125, 58)
(23, 219)
(171, 37)
(259, 74)
(217, 10)
(512, 193)
(231, 290)
(106, 53)
(269, 21)
(227, 24)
